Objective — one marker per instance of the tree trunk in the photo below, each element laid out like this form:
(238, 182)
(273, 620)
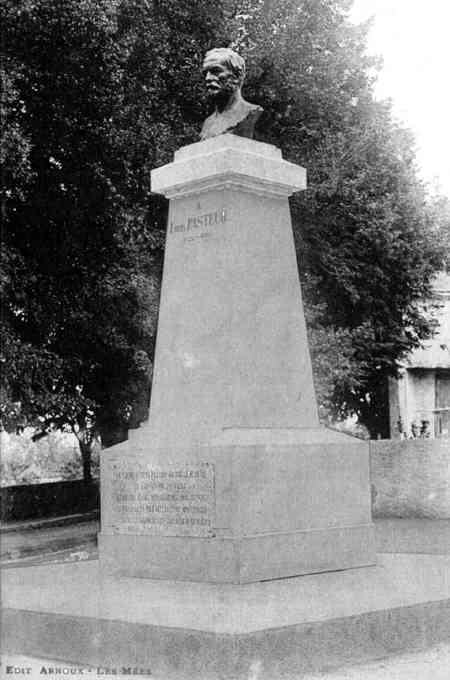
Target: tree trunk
(375, 416)
(86, 454)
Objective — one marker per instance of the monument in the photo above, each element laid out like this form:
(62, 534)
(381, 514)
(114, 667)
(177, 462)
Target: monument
(232, 479)
(232, 484)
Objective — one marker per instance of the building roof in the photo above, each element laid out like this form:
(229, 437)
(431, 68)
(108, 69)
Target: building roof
(435, 353)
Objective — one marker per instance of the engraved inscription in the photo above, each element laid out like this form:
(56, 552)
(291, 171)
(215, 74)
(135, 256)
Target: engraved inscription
(174, 500)
(195, 222)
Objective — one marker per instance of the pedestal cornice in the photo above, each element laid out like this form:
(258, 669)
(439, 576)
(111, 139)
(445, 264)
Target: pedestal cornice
(228, 162)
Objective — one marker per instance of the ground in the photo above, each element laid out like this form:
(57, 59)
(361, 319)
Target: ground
(72, 539)
(431, 664)
(75, 538)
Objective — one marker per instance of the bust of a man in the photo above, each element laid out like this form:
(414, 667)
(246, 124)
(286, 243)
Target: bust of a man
(224, 72)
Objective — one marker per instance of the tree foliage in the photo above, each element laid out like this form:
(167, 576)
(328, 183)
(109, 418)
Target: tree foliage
(363, 229)
(96, 94)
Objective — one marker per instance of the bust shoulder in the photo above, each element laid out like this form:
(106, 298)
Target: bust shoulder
(239, 120)
(249, 108)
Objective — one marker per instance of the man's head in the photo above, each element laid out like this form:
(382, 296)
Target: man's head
(224, 72)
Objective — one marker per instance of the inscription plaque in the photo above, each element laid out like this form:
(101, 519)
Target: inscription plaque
(170, 500)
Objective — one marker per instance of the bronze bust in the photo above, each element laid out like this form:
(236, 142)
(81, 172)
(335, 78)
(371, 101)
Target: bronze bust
(224, 72)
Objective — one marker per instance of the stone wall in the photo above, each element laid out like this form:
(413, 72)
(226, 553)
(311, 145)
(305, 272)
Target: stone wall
(410, 478)
(36, 501)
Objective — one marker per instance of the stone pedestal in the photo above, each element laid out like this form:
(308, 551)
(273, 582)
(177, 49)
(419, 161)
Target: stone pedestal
(232, 479)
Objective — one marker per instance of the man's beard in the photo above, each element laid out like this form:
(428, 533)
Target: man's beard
(220, 96)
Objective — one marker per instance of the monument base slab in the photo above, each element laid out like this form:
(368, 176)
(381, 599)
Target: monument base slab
(292, 502)
(238, 560)
(273, 629)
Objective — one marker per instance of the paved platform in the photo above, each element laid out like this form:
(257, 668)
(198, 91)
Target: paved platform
(188, 630)
(426, 536)
(429, 664)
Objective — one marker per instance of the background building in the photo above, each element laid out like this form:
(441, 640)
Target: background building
(419, 400)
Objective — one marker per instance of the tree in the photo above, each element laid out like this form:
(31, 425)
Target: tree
(98, 93)
(90, 88)
(60, 243)
(363, 228)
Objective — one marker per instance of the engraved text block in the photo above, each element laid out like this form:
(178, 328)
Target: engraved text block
(174, 500)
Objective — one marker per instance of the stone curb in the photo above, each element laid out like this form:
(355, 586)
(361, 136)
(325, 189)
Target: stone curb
(66, 520)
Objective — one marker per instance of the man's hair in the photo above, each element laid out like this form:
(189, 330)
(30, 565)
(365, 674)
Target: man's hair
(231, 59)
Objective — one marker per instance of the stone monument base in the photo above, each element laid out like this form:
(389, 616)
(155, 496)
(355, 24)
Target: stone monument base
(258, 504)
(178, 631)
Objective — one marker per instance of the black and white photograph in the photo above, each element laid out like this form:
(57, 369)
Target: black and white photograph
(225, 339)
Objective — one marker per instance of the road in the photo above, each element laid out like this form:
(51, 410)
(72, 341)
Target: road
(37, 544)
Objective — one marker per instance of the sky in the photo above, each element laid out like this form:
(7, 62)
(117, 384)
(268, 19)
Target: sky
(413, 37)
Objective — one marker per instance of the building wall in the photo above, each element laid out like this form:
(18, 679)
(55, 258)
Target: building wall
(410, 478)
(423, 390)
(422, 385)
(420, 394)
(396, 405)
